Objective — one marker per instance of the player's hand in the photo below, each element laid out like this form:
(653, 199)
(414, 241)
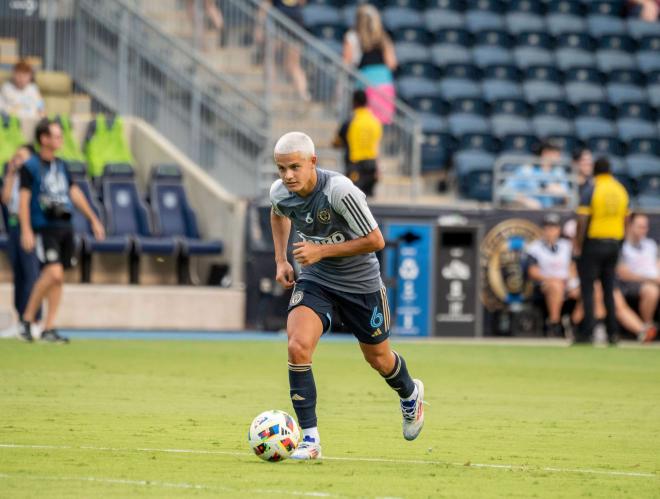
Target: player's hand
(27, 239)
(307, 253)
(285, 275)
(98, 230)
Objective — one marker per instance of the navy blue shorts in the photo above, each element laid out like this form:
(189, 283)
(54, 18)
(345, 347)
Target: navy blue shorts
(366, 315)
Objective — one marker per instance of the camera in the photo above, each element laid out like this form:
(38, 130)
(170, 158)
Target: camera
(56, 210)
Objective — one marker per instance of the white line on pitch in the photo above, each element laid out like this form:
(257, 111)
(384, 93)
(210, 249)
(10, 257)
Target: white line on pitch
(513, 467)
(168, 485)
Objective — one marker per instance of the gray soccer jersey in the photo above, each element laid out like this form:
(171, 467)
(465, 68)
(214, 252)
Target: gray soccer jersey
(335, 212)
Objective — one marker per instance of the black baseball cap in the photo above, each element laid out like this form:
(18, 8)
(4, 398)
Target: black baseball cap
(551, 219)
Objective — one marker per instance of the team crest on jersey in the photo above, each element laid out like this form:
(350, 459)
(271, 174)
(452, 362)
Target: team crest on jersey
(296, 298)
(324, 216)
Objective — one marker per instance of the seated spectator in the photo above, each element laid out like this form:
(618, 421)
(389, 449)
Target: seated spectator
(20, 96)
(638, 270)
(647, 10)
(583, 167)
(539, 186)
(550, 261)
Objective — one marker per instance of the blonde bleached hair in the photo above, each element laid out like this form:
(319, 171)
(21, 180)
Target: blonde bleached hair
(369, 28)
(293, 142)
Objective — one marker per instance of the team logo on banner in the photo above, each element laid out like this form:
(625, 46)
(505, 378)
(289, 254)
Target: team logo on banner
(502, 279)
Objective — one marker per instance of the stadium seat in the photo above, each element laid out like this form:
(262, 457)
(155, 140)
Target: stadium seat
(643, 165)
(565, 16)
(492, 48)
(647, 56)
(583, 84)
(106, 144)
(11, 137)
(495, 89)
(509, 117)
(639, 29)
(442, 14)
(625, 86)
(542, 82)
(566, 142)
(126, 215)
(574, 50)
(594, 119)
(316, 14)
(401, 17)
(85, 241)
(518, 144)
(411, 52)
(460, 81)
(412, 35)
(552, 118)
(533, 49)
(417, 79)
(615, 52)
(606, 146)
(601, 25)
(653, 88)
(430, 111)
(482, 15)
(329, 32)
(474, 170)
(437, 149)
(468, 116)
(524, 15)
(635, 121)
(173, 217)
(451, 47)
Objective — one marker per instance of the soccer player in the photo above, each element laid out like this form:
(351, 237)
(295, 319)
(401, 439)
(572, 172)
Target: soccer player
(339, 270)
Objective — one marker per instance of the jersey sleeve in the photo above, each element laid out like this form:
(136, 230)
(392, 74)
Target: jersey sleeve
(67, 174)
(584, 207)
(26, 178)
(274, 198)
(351, 203)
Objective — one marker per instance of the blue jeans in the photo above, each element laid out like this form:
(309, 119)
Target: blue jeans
(26, 269)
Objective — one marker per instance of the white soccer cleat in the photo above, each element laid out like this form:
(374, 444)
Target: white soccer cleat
(413, 413)
(307, 449)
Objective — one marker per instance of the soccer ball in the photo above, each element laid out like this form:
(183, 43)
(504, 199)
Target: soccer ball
(273, 435)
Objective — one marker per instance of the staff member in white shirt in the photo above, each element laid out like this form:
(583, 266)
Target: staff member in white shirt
(549, 265)
(638, 268)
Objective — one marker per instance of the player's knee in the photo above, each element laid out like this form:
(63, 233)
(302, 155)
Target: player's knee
(380, 362)
(650, 291)
(299, 351)
(55, 274)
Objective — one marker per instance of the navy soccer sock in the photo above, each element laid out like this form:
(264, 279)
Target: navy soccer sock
(303, 394)
(399, 379)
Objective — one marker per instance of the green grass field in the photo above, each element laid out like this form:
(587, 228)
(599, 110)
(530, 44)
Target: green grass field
(113, 419)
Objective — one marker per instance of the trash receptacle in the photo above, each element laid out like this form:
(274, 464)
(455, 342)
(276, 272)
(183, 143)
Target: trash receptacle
(458, 310)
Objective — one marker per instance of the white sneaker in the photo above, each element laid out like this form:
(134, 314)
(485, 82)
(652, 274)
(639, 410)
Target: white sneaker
(413, 413)
(307, 449)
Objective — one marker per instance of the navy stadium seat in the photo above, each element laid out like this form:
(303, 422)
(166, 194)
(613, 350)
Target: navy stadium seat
(468, 116)
(430, 111)
(625, 86)
(615, 52)
(583, 84)
(412, 35)
(574, 50)
(483, 15)
(460, 81)
(411, 52)
(606, 146)
(126, 215)
(565, 16)
(510, 116)
(552, 118)
(437, 149)
(474, 170)
(524, 15)
(542, 82)
(451, 46)
(495, 89)
(409, 4)
(647, 56)
(417, 79)
(401, 17)
(316, 14)
(331, 34)
(173, 217)
(441, 14)
(594, 119)
(653, 88)
(635, 121)
(566, 142)
(533, 49)
(491, 48)
(519, 144)
(639, 29)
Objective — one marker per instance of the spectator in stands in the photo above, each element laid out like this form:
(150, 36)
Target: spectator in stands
(549, 266)
(25, 266)
(293, 10)
(583, 167)
(20, 96)
(625, 315)
(647, 10)
(46, 202)
(377, 61)
(639, 268)
(213, 15)
(539, 186)
(361, 137)
(601, 220)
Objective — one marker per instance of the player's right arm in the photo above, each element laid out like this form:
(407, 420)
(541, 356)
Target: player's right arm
(24, 199)
(281, 228)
